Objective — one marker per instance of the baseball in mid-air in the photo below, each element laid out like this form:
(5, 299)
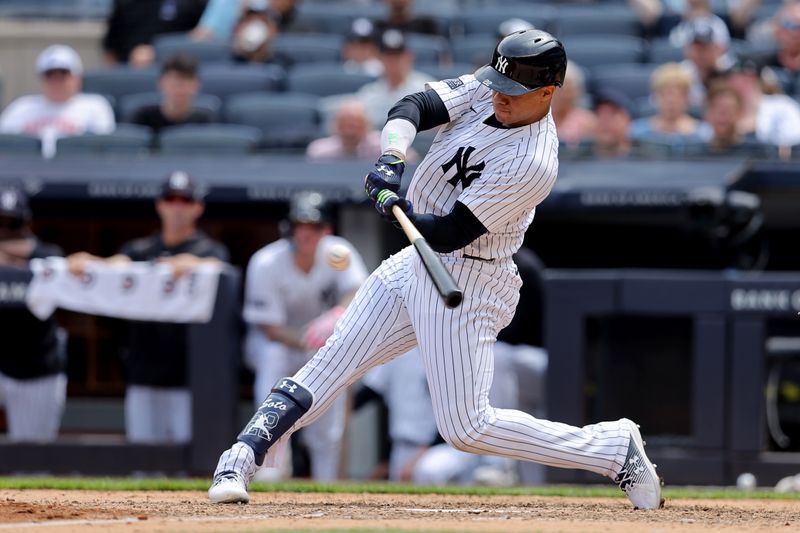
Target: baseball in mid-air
(338, 256)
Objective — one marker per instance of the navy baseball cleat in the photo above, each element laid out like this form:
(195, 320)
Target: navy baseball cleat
(638, 478)
(235, 470)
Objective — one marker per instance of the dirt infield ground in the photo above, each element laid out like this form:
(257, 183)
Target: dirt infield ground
(69, 511)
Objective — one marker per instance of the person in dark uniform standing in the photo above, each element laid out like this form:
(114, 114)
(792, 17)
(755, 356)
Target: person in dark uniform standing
(158, 404)
(33, 385)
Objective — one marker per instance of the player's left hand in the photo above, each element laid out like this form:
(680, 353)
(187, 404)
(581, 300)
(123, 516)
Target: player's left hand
(387, 199)
(321, 328)
(387, 174)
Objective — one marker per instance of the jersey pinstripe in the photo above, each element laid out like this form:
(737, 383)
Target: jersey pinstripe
(500, 174)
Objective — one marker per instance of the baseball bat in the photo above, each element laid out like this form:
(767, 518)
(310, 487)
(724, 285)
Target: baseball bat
(441, 277)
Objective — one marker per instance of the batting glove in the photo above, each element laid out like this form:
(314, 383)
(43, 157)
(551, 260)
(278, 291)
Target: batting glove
(386, 175)
(386, 200)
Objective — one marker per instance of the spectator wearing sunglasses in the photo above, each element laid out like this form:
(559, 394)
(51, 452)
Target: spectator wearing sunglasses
(61, 109)
(158, 403)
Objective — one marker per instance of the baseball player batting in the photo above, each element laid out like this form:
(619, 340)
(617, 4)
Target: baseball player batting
(472, 198)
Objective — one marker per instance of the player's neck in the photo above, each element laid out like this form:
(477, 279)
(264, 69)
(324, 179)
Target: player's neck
(303, 262)
(174, 236)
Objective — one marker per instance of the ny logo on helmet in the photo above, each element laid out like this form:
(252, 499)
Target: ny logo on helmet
(501, 64)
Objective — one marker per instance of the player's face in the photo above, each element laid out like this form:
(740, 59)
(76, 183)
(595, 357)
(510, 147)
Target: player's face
(306, 237)
(515, 111)
(178, 213)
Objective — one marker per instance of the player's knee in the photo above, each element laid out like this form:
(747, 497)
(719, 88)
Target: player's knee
(462, 440)
(286, 403)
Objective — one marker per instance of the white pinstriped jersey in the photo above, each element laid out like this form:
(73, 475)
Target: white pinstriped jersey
(500, 174)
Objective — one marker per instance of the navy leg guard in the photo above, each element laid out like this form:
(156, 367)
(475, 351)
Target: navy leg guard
(285, 404)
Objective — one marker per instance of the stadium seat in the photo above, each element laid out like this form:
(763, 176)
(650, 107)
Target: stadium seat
(308, 48)
(590, 51)
(131, 103)
(120, 81)
(169, 44)
(326, 79)
(446, 72)
(632, 80)
(13, 144)
(429, 48)
(286, 120)
(224, 81)
(126, 139)
(214, 139)
(608, 20)
(662, 51)
(475, 50)
(332, 17)
(486, 20)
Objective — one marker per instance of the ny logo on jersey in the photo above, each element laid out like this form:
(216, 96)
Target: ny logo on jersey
(501, 64)
(464, 173)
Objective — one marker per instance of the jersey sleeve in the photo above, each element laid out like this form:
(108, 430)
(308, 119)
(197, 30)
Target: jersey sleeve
(262, 299)
(457, 93)
(511, 186)
(12, 120)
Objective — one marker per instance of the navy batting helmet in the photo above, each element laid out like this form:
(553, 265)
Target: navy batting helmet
(523, 62)
(309, 208)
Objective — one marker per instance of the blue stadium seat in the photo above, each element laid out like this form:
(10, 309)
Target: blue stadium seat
(131, 103)
(486, 20)
(120, 81)
(288, 121)
(475, 50)
(13, 144)
(606, 20)
(446, 72)
(662, 51)
(632, 80)
(169, 44)
(213, 139)
(590, 51)
(126, 139)
(429, 48)
(325, 79)
(308, 48)
(224, 81)
(332, 17)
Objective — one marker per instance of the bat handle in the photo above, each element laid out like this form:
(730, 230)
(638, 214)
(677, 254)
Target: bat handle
(408, 227)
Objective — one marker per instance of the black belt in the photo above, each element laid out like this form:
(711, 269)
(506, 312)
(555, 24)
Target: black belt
(477, 258)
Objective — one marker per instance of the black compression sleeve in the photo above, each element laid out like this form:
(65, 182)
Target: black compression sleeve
(452, 231)
(425, 110)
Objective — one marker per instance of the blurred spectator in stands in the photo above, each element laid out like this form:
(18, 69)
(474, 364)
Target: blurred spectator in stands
(132, 25)
(613, 110)
(158, 403)
(218, 20)
(512, 25)
(282, 12)
(33, 385)
(401, 17)
(785, 63)
(399, 78)
(723, 113)
(61, 110)
(573, 122)
(253, 35)
(668, 17)
(672, 125)
(773, 118)
(178, 84)
(353, 136)
(706, 50)
(360, 51)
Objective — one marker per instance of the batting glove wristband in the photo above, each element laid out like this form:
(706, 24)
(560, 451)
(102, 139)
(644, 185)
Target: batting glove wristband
(387, 199)
(387, 174)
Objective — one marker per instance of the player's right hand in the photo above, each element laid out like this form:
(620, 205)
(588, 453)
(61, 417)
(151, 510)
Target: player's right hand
(387, 174)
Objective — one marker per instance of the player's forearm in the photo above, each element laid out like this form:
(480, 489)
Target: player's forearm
(415, 112)
(450, 232)
(283, 335)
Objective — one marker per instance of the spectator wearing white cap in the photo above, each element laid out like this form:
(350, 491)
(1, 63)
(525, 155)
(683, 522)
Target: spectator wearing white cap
(61, 110)
(705, 44)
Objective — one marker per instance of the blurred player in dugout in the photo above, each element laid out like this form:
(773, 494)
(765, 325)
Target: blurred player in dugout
(158, 403)
(33, 385)
(296, 289)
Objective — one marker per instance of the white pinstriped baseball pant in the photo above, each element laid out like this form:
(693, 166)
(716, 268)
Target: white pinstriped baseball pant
(398, 307)
(33, 406)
